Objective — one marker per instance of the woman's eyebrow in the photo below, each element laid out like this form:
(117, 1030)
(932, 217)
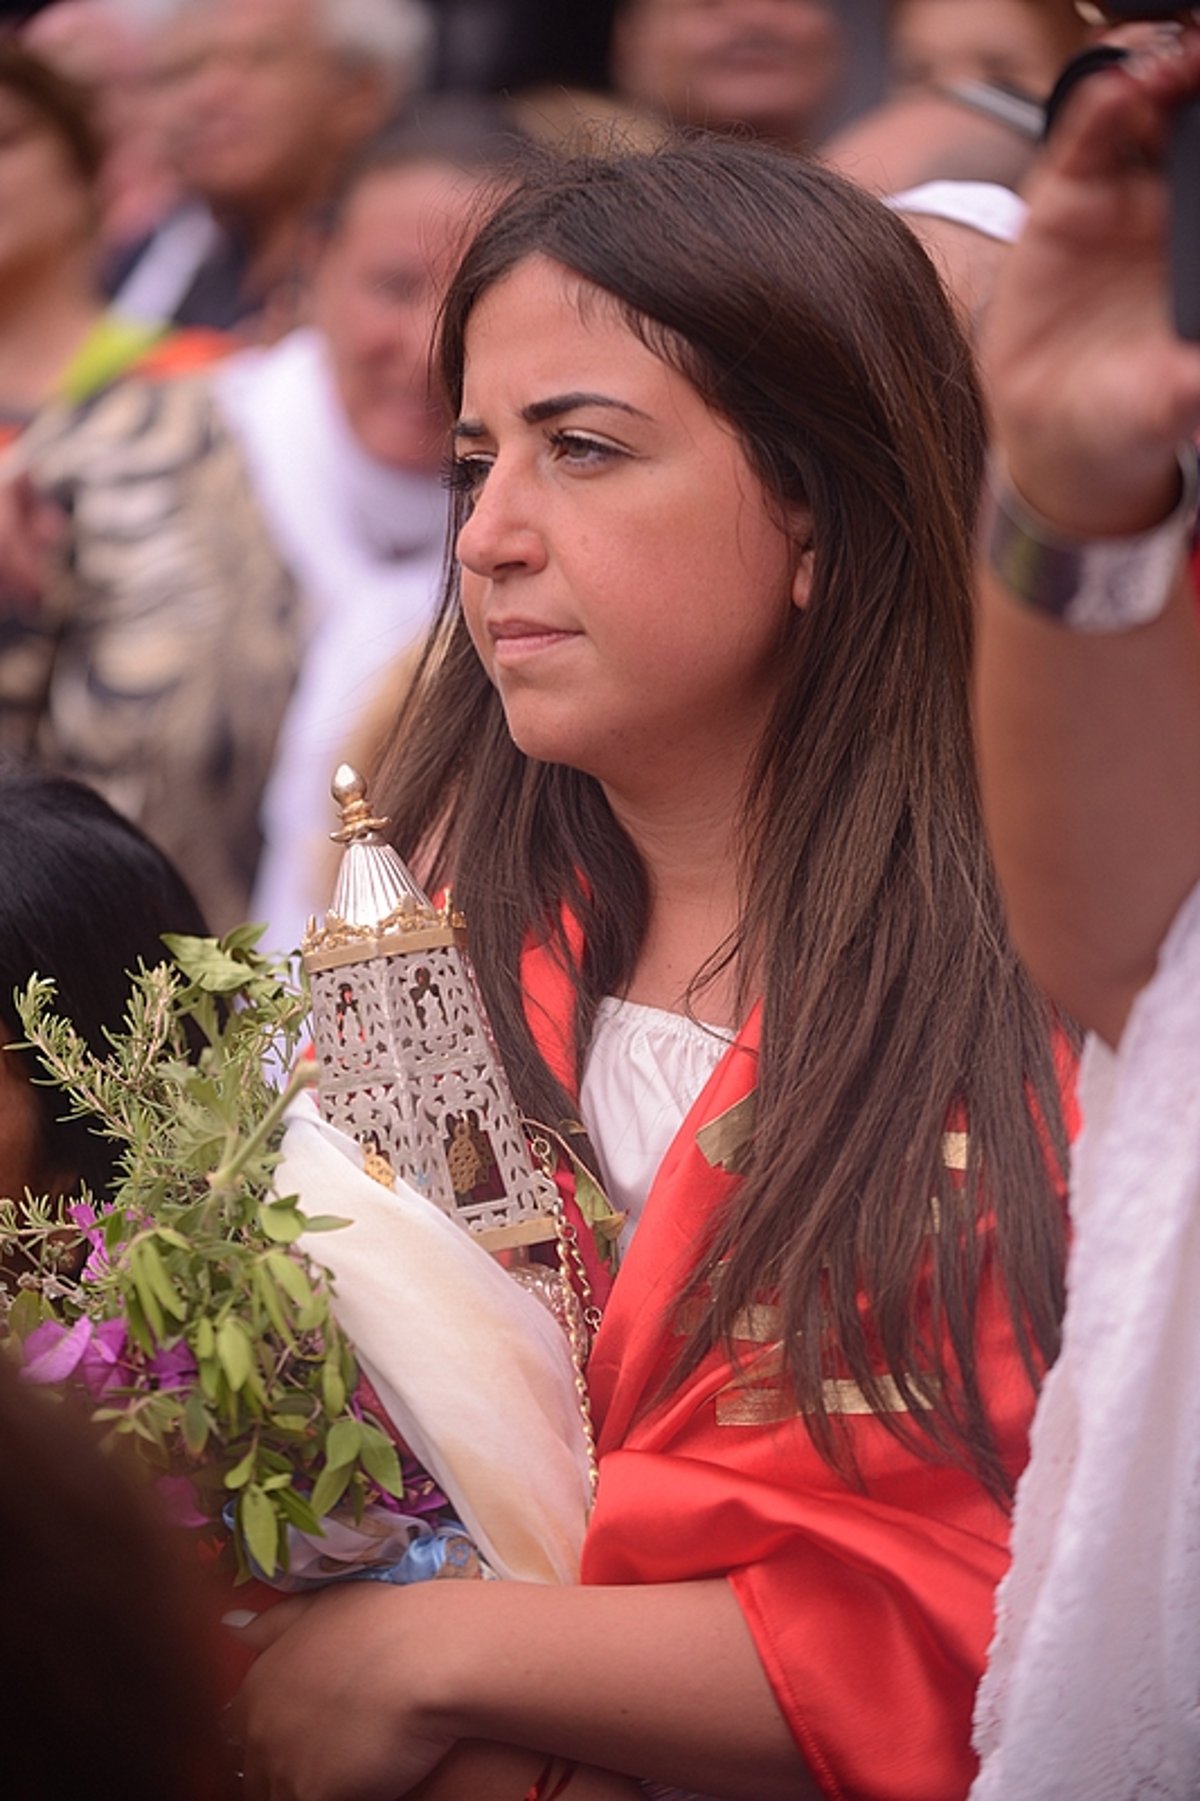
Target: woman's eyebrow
(538, 411)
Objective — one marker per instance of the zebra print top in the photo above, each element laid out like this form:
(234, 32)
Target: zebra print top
(158, 663)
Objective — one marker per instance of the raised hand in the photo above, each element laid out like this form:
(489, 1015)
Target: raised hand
(1090, 385)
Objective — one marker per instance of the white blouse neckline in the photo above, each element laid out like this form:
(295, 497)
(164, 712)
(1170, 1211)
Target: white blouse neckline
(645, 1069)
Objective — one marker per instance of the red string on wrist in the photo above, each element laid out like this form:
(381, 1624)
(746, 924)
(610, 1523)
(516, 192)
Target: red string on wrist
(555, 1778)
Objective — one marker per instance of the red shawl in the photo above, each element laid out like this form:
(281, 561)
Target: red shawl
(872, 1610)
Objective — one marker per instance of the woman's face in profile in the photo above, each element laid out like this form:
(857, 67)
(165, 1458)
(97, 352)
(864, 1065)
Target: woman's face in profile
(627, 582)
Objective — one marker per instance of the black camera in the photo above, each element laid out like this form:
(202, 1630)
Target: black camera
(1183, 171)
(1120, 12)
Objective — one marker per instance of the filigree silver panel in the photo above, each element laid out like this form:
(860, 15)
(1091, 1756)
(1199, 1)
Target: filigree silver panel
(409, 1069)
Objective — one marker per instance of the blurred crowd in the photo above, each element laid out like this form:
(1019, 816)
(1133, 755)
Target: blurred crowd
(224, 225)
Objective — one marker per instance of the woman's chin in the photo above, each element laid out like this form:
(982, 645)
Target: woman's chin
(553, 741)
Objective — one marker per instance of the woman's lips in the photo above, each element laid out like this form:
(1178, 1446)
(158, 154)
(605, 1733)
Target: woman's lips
(514, 640)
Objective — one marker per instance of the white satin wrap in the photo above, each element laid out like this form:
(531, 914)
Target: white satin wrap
(475, 1374)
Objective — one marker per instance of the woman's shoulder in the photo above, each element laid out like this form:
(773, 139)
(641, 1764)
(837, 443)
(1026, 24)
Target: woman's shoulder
(117, 348)
(139, 425)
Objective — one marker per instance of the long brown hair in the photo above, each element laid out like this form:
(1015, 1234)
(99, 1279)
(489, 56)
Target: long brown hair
(807, 316)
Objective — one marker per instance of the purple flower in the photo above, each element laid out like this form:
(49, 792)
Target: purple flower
(53, 1352)
(422, 1496)
(174, 1367)
(84, 1216)
(103, 1365)
(93, 1354)
(179, 1499)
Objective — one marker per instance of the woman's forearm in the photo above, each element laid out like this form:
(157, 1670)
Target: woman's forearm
(661, 1682)
(1089, 741)
(1090, 766)
(360, 1693)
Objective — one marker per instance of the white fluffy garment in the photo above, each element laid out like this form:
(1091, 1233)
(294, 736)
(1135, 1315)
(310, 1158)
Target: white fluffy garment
(1093, 1688)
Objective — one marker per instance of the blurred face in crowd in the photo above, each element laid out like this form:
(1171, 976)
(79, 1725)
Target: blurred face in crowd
(47, 209)
(771, 65)
(1010, 43)
(263, 108)
(376, 295)
(87, 40)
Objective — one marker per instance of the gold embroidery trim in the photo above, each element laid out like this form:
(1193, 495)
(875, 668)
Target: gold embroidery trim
(954, 1150)
(753, 1407)
(769, 1402)
(772, 1405)
(759, 1324)
(724, 1139)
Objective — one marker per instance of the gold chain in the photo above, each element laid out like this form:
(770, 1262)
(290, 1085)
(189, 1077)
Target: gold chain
(583, 1321)
(581, 1324)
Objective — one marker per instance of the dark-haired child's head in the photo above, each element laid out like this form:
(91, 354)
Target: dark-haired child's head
(84, 899)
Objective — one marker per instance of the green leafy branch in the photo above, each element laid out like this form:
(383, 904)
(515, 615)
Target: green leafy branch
(210, 1339)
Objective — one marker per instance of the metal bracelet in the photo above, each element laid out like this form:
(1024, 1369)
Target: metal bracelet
(1087, 584)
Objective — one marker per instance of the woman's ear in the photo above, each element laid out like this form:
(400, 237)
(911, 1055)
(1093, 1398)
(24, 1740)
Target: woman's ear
(802, 574)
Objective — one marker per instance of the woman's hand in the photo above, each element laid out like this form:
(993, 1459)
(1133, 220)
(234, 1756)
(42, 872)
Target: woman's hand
(1091, 388)
(1089, 744)
(482, 1772)
(33, 530)
(332, 1709)
(335, 1709)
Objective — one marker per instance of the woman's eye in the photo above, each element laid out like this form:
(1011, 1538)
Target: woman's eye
(583, 452)
(466, 475)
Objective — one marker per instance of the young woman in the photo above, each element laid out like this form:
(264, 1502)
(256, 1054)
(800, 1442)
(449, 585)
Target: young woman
(692, 743)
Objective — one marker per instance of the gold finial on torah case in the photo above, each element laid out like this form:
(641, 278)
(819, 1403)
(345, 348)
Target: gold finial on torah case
(408, 1065)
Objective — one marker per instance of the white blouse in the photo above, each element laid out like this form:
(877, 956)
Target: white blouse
(645, 1069)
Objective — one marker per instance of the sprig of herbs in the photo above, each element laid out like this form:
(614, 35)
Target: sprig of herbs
(203, 1334)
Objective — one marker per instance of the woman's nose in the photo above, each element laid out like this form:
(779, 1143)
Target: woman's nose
(501, 536)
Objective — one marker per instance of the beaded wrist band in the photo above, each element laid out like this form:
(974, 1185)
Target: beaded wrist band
(554, 1780)
(1087, 584)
